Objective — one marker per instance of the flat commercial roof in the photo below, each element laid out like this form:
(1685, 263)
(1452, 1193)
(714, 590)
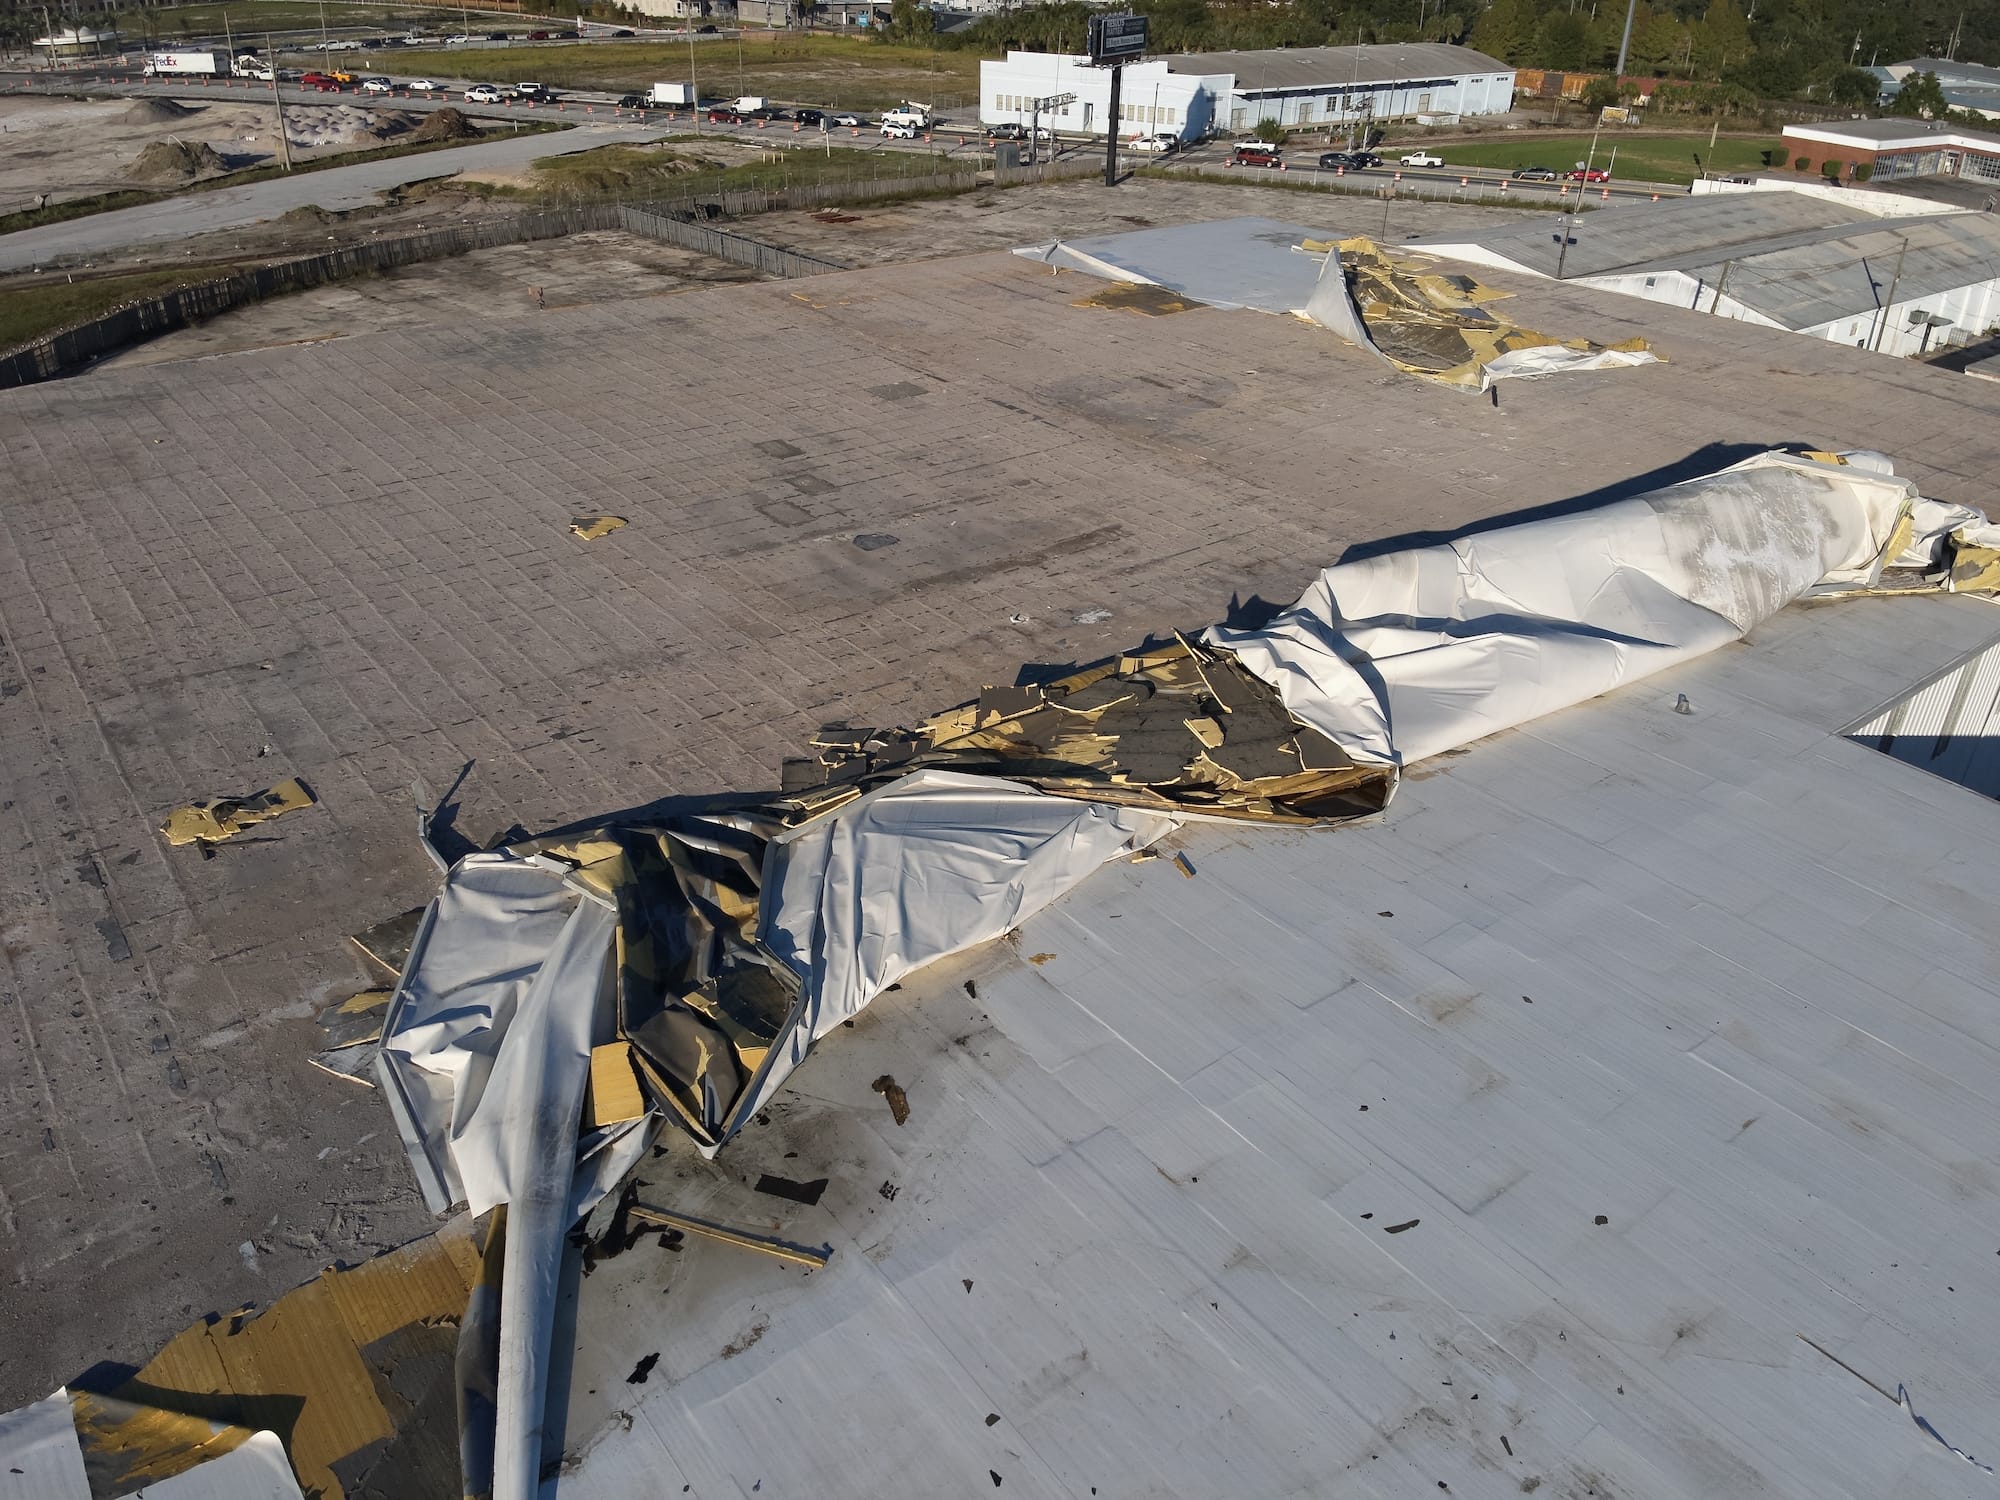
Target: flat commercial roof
(1891, 134)
(1517, 1141)
(350, 562)
(1271, 69)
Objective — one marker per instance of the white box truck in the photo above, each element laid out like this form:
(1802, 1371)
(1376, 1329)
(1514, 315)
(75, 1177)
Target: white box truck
(749, 104)
(209, 64)
(673, 95)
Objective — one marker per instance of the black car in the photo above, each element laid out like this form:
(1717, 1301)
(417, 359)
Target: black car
(496, 36)
(624, 31)
(634, 101)
(810, 117)
(704, 31)
(1334, 161)
(1535, 174)
(569, 36)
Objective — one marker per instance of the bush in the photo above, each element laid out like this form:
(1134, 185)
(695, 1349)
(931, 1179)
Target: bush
(1830, 170)
(1269, 130)
(1865, 171)
(1802, 164)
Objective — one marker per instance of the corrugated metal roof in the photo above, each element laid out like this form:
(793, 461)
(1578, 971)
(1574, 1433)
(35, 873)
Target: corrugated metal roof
(1273, 69)
(1639, 236)
(1523, 1134)
(1796, 259)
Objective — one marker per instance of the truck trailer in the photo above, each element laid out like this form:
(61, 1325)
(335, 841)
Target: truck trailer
(674, 95)
(205, 64)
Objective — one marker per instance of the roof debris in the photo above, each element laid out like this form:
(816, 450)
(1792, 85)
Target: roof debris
(225, 817)
(590, 528)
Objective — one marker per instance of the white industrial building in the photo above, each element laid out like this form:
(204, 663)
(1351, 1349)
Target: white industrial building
(1898, 275)
(1201, 93)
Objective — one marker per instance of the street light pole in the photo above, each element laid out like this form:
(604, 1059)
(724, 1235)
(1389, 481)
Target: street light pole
(278, 100)
(1625, 42)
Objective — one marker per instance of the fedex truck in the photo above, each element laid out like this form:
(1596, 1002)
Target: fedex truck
(206, 64)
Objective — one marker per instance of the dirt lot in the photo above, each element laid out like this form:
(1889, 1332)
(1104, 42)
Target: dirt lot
(453, 296)
(74, 148)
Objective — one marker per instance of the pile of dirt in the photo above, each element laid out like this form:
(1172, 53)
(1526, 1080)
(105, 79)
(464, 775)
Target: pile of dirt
(384, 125)
(165, 163)
(446, 125)
(157, 111)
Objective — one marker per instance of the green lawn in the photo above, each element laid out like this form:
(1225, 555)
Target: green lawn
(31, 312)
(1643, 157)
(801, 68)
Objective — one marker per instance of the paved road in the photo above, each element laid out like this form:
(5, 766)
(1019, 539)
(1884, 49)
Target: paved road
(331, 188)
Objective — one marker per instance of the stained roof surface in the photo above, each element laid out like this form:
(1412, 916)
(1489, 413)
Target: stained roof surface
(356, 554)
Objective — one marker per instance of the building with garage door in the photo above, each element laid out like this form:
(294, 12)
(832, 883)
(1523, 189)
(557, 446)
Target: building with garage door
(1894, 148)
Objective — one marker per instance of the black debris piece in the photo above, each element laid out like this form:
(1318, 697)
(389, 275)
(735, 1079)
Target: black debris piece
(642, 1369)
(1399, 1228)
(992, 1418)
(899, 1102)
(797, 1192)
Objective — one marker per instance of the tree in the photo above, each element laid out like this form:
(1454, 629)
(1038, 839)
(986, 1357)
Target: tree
(1561, 40)
(1856, 86)
(1659, 41)
(1601, 93)
(1506, 30)
(1721, 38)
(1922, 96)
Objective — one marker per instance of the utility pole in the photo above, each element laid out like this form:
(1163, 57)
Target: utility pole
(1625, 43)
(322, 28)
(278, 99)
(1111, 135)
(694, 88)
(1715, 306)
(1895, 279)
(228, 41)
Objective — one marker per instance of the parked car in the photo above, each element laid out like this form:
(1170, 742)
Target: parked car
(1587, 174)
(377, 86)
(1535, 174)
(723, 115)
(1156, 145)
(848, 122)
(425, 86)
(891, 130)
(634, 101)
(482, 93)
(1256, 154)
(1421, 159)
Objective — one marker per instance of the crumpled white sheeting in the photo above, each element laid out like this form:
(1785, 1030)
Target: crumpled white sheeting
(1412, 653)
(467, 1036)
(40, 1457)
(926, 867)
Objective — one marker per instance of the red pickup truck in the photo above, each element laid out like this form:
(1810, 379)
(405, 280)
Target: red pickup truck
(324, 82)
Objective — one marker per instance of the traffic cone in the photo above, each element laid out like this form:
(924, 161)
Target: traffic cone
(1607, 195)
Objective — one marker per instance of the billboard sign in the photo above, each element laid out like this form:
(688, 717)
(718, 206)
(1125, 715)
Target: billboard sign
(1117, 39)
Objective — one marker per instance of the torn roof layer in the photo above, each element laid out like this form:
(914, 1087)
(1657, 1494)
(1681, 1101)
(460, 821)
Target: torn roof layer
(1619, 1008)
(1432, 324)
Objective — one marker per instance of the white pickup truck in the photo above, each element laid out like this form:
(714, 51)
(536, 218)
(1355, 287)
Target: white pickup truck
(1422, 159)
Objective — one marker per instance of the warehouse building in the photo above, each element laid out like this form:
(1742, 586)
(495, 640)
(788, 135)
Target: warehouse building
(1202, 93)
(1801, 262)
(1894, 148)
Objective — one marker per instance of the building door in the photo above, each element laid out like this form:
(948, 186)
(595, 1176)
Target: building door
(1088, 111)
(1423, 104)
(1951, 161)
